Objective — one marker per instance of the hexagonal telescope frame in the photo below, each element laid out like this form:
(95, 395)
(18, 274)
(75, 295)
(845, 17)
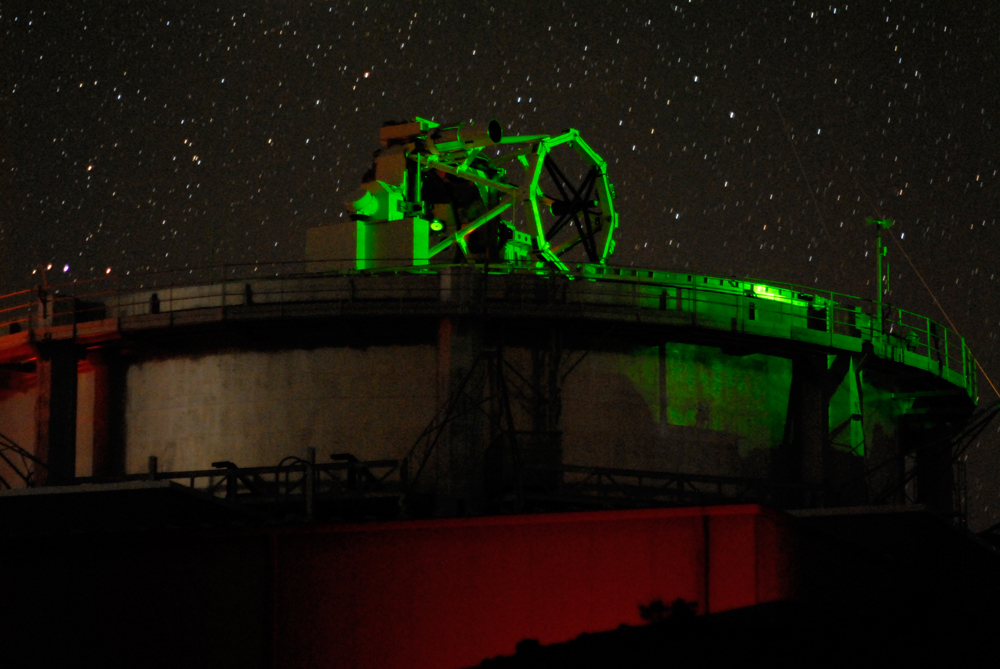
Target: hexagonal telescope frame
(435, 187)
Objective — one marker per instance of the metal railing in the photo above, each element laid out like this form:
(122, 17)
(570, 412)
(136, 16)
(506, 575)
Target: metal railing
(294, 482)
(741, 305)
(613, 487)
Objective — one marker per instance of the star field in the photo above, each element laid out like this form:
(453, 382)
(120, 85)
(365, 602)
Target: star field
(748, 139)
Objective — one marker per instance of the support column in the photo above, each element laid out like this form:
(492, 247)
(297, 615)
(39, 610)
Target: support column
(55, 411)
(811, 424)
(930, 446)
(832, 473)
(461, 453)
(108, 413)
(845, 457)
(545, 447)
(935, 485)
(661, 439)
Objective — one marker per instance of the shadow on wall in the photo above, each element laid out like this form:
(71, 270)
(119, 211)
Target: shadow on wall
(676, 408)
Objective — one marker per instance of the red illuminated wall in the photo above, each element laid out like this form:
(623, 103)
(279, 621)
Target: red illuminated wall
(449, 593)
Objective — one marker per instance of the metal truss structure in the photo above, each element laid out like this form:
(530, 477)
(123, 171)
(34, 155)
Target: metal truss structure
(295, 488)
(524, 199)
(20, 461)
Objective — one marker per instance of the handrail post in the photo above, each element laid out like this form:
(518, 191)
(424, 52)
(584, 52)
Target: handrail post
(947, 360)
(152, 467)
(310, 481)
(927, 338)
(830, 319)
(965, 365)
(224, 284)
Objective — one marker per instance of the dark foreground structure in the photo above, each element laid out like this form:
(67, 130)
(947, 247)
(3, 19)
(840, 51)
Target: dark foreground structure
(412, 460)
(439, 423)
(539, 590)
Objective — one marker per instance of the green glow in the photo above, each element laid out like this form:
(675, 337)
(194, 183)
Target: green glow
(366, 205)
(882, 411)
(365, 245)
(775, 295)
(421, 240)
(745, 396)
(845, 413)
(426, 124)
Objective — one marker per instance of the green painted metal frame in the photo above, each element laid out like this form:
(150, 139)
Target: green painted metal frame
(533, 153)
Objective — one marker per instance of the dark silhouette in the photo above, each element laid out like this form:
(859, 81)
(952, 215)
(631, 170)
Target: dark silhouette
(658, 612)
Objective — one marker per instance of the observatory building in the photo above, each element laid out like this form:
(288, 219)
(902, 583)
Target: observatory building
(463, 358)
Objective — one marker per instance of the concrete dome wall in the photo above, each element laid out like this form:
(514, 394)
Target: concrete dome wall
(722, 413)
(254, 408)
(676, 407)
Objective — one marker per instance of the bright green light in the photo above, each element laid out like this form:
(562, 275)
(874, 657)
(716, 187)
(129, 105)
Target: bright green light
(437, 226)
(764, 292)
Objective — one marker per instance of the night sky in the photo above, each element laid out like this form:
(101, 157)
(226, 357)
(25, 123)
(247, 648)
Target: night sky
(748, 139)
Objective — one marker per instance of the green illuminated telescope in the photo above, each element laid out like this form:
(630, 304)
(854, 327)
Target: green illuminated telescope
(467, 190)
